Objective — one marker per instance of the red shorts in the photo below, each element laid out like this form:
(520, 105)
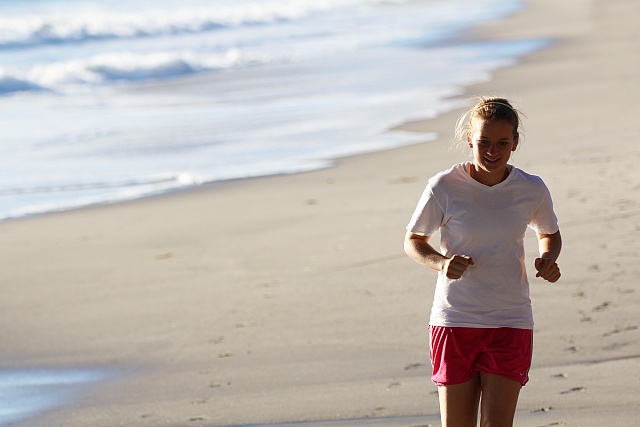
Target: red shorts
(457, 354)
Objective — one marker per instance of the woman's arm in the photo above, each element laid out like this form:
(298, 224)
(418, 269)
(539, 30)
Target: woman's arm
(418, 248)
(549, 246)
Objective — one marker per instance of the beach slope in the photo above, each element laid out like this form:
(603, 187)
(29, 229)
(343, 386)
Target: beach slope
(290, 299)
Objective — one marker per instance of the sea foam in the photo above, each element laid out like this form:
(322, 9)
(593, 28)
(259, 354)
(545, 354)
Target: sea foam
(93, 21)
(25, 393)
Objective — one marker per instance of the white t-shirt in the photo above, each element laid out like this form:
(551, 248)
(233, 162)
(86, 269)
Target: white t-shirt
(487, 223)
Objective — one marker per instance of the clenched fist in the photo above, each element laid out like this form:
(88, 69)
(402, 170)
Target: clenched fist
(547, 269)
(455, 266)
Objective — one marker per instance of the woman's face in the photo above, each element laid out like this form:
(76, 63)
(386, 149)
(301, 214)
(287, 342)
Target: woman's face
(492, 142)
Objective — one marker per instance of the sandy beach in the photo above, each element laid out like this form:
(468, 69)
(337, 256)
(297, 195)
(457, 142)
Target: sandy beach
(290, 299)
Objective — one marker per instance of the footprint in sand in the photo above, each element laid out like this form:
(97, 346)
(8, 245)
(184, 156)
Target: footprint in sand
(600, 307)
(616, 346)
(219, 384)
(573, 348)
(378, 411)
(166, 255)
(584, 317)
(620, 329)
(413, 366)
(394, 384)
(573, 390)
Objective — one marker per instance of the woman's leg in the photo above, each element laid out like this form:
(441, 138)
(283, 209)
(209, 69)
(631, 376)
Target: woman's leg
(499, 400)
(459, 403)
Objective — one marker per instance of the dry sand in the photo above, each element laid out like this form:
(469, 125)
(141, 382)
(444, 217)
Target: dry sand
(290, 299)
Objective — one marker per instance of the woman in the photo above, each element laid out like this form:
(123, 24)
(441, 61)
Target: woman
(481, 321)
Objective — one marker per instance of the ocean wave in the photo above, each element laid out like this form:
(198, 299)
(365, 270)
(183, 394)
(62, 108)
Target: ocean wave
(91, 24)
(172, 180)
(115, 67)
(11, 84)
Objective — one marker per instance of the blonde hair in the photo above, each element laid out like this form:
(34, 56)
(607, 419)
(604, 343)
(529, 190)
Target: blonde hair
(488, 108)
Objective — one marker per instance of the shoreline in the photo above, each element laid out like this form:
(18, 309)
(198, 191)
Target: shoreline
(288, 298)
(189, 82)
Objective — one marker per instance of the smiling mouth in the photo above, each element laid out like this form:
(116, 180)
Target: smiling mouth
(492, 161)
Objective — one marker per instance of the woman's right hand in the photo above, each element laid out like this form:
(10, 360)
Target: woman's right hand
(455, 266)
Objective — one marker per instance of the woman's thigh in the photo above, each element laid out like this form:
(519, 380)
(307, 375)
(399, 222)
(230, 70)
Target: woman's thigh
(459, 403)
(499, 400)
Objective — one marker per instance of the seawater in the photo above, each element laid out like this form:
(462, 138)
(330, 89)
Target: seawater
(104, 101)
(27, 393)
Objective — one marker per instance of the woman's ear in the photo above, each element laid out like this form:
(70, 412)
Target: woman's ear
(469, 140)
(516, 139)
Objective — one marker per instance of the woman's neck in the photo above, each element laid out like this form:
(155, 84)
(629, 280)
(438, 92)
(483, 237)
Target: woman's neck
(488, 178)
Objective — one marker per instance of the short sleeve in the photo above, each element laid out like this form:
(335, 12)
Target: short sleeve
(544, 219)
(428, 216)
